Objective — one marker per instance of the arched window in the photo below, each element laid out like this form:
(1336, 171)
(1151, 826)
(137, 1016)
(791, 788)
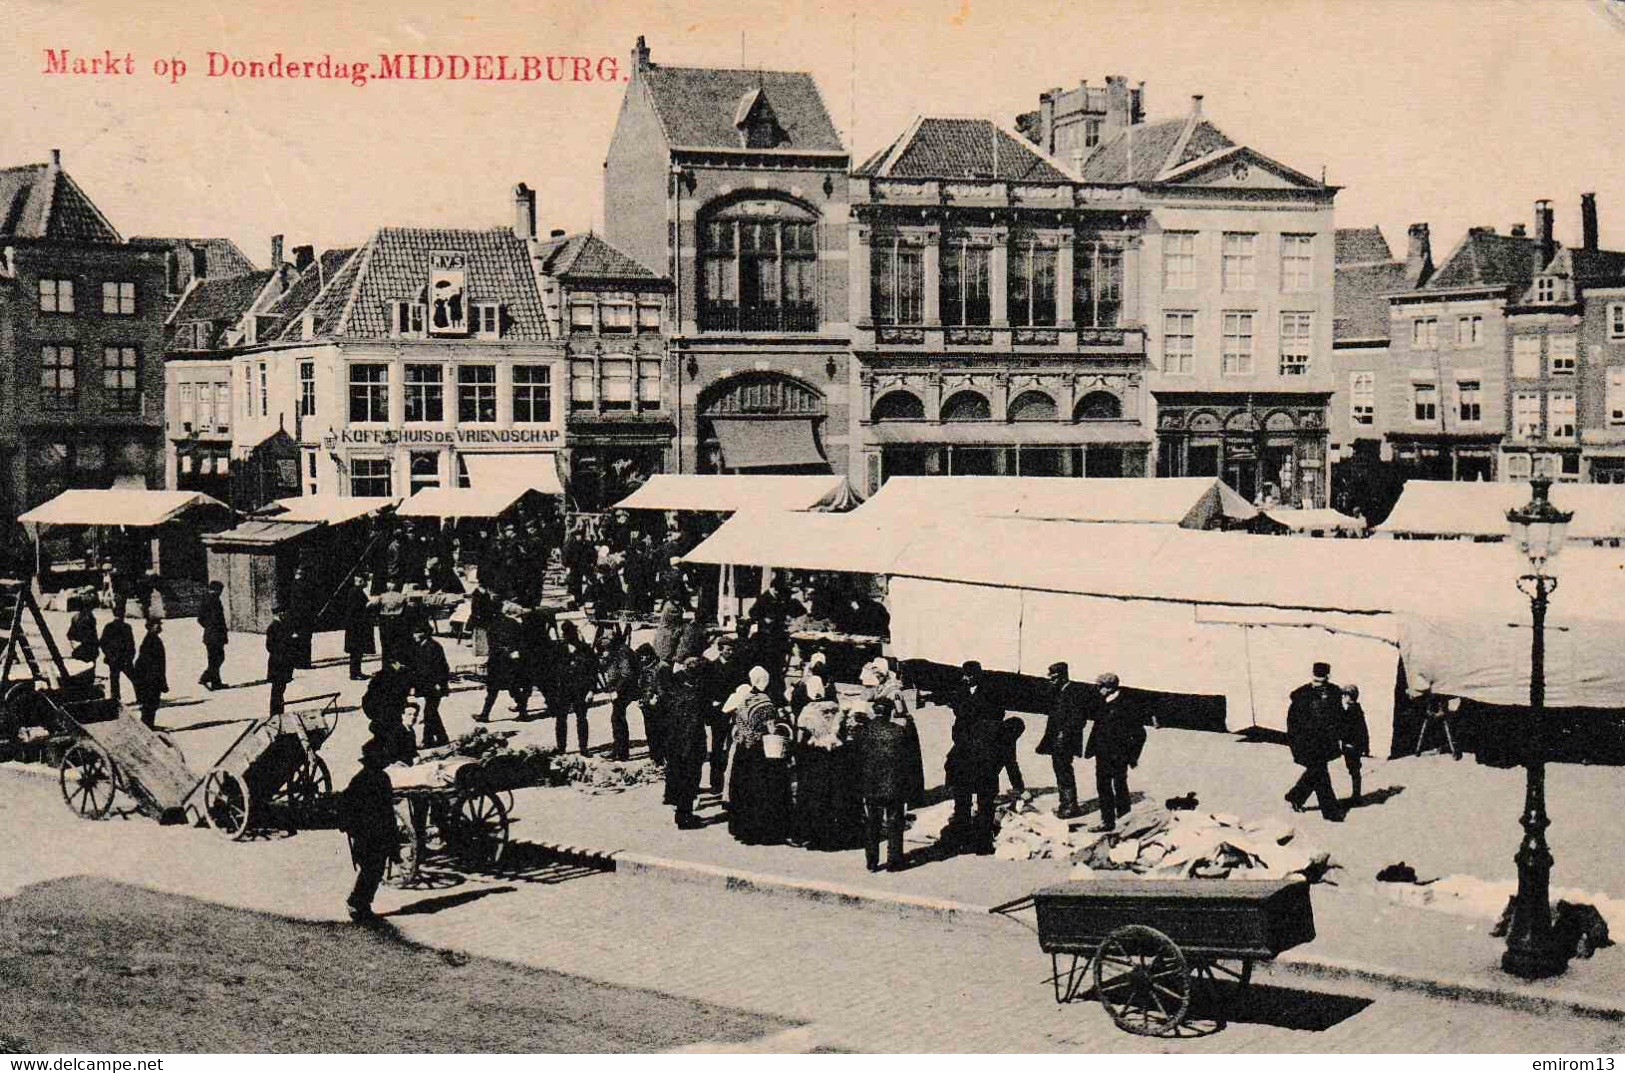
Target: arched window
(966, 406)
(759, 273)
(899, 406)
(1098, 406)
(1032, 406)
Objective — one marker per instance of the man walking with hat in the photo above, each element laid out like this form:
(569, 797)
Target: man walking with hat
(1115, 744)
(1069, 708)
(1314, 723)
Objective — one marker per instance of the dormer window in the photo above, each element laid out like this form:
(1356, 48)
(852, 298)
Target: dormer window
(758, 126)
(406, 320)
(1546, 289)
(761, 134)
(191, 335)
(488, 320)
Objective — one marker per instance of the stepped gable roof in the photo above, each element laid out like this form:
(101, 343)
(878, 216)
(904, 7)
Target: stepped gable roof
(1486, 259)
(703, 107)
(393, 266)
(942, 147)
(221, 256)
(43, 201)
(1362, 246)
(587, 256)
(291, 304)
(220, 302)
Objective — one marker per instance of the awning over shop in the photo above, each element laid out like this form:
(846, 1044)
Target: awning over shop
(117, 506)
(1192, 502)
(768, 443)
(260, 533)
(516, 472)
(1478, 509)
(330, 509)
(459, 503)
(1314, 520)
(727, 493)
(1014, 434)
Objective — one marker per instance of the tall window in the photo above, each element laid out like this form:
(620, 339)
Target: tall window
(1179, 260)
(307, 389)
(1616, 320)
(1363, 398)
(56, 296)
(477, 394)
(222, 405)
(583, 385)
(370, 477)
(1297, 331)
(265, 391)
(1238, 267)
(121, 379)
(964, 289)
(1560, 352)
(896, 282)
(1031, 286)
(1237, 358)
(1616, 395)
(406, 320)
(1097, 285)
(1525, 415)
(425, 393)
(1297, 263)
(186, 405)
(1179, 343)
(369, 393)
(1425, 333)
(1469, 402)
(615, 384)
(487, 320)
(1469, 330)
(1526, 357)
(59, 380)
(423, 471)
(1560, 415)
(648, 384)
(118, 298)
(1424, 403)
(760, 269)
(532, 393)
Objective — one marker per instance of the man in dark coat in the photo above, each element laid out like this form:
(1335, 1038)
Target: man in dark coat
(1314, 724)
(719, 678)
(1069, 709)
(384, 705)
(355, 608)
(1356, 738)
(624, 678)
(281, 656)
(687, 708)
(431, 678)
(211, 616)
(972, 768)
(118, 649)
(654, 698)
(150, 674)
(1115, 743)
(367, 817)
(82, 630)
(505, 668)
(305, 604)
(883, 752)
(394, 632)
(576, 675)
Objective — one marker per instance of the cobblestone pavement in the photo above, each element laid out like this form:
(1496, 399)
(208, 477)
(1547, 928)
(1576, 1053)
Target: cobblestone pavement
(861, 980)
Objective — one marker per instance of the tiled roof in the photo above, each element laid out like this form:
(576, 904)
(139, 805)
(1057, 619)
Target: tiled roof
(940, 148)
(222, 257)
(1152, 145)
(698, 107)
(42, 201)
(1359, 305)
(394, 266)
(1485, 259)
(1362, 246)
(586, 256)
(290, 305)
(1597, 268)
(221, 302)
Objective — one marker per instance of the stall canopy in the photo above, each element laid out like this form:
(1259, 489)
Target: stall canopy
(496, 483)
(1477, 509)
(260, 533)
(330, 509)
(768, 443)
(1314, 520)
(801, 540)
(728, 493)
(1190, 502)
(117, 506)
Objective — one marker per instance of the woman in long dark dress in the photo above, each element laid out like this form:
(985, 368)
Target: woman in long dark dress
(828, 802)
(758, 788)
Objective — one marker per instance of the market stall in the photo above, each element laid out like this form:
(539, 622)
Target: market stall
(1309, 521)
(728, 493)
(136, 528)
(1477, 510)
(1187, 502)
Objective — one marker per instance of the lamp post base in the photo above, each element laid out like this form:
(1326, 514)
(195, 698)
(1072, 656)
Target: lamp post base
(1535, 963)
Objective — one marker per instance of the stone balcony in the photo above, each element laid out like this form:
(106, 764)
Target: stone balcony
(913, 338)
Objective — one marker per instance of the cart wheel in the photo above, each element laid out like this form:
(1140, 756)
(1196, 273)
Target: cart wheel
(309, 785)
(89, 780)
(227, 804)
(1143, 981)
(477, 829)
(404, 872)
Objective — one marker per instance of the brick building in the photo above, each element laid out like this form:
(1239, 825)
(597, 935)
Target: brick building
(81, 343)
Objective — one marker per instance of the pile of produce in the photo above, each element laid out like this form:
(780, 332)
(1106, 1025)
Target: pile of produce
(503, 767)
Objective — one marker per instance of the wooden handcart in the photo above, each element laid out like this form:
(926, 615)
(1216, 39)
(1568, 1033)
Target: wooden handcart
(1154, 945)
(272, 772)
(444, 806)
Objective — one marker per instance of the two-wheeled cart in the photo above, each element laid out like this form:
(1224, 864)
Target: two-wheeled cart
(1154, 945)
(272, 774)
(445, 806)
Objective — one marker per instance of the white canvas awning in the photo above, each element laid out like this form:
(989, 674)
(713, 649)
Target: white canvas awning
(330, 509)
(801, 540)
(117, 506)
(1192, 502)
(727, 493)
(519, 472)
(1310, 520)
(1478, 509)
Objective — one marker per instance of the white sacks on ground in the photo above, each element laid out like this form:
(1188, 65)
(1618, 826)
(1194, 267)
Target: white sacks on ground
(1193, 845)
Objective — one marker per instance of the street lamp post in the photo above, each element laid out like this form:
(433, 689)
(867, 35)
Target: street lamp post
(1538, 531)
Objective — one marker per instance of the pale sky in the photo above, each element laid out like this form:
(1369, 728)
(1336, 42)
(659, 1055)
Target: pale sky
(1457, 112)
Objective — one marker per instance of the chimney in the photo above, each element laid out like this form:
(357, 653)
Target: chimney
(1418, 255)
(1046, 121)
(303, 256)
(200, 262)
(172, 271)
(1119, 106)
(1588, 222)
(524, 211)
(56, 159)
(640, 57)
(1519, 231)
(557, 232)
(276, 251)
(1543, 231)
(1196, 106)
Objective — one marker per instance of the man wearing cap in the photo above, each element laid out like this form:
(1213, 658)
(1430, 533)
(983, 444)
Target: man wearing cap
(973, 763)
(1069, 708)
(1314, 722)
(150, 672)
(1115, 744)
(367, 817)
(118, 649)
(687, 710)
(211, 616)
(281, 655)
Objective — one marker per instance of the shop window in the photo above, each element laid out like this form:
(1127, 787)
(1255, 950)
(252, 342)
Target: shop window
(649, 384)
(583, 385)
(121, 379)
(964, 284)
(532, 394)
(369, 392)
(1030, 283)
(56, 296)
(896, 282)
(424, 467)
(370, 477)
(1097, 285)
(615, 384)
(487, 320)
(425, 393)
(477, 394)
(307, 389)
(59, 378)
(118, 298)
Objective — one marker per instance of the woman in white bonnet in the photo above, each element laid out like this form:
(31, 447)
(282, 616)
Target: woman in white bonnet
(758, 788)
